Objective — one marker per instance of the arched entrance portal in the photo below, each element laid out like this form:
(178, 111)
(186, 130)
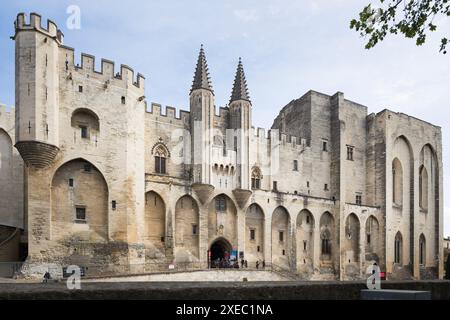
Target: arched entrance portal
(220, 252)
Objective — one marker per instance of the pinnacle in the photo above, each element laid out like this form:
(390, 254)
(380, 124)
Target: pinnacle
(201, 76)
(240, 90)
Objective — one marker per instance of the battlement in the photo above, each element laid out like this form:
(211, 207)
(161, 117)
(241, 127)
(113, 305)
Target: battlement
(7, 119)
(284, 139)
(107, 68)
(5, 112)
(223, 112)
(35, 23)
(170, 112)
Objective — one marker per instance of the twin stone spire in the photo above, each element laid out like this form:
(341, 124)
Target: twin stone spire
(202, 79)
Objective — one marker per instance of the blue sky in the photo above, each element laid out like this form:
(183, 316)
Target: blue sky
(287, 47)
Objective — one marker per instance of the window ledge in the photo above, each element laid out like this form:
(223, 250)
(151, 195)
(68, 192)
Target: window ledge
(79, 221)
(423, 210)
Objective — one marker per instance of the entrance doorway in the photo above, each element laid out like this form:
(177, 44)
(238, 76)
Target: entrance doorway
(220, 254)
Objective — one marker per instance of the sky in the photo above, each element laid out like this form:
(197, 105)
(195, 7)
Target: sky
(287, 48)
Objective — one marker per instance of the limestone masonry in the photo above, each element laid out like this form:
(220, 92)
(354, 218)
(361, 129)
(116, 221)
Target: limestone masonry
(93, 176)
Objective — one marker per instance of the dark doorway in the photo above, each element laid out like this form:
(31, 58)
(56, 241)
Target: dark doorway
(220, 253)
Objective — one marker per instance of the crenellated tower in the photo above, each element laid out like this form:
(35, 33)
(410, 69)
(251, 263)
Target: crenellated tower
(37, 88)
(240, 122)
(202, 121)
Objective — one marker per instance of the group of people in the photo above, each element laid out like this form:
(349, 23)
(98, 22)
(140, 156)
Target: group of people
(223, 263)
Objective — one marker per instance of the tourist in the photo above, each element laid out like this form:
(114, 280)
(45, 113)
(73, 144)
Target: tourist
(47, 277)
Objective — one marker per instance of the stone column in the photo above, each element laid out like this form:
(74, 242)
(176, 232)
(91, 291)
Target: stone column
(317, 245)
(268, 238)
(241, 230)
(292, 246)
(203, 235)
(362, 248)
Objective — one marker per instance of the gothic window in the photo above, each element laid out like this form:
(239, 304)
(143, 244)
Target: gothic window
(423, 188)
(161, 154)
(256, 178)
(397, 182)
(398, 248)
(359, 199)
(422, 251)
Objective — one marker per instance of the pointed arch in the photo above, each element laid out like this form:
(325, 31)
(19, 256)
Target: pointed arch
(432, 193)
(222, 219)
(155, 220)
(10, 193)
(423, 187)
(254, 233)
(79, 196)
(397, 182)
(305, 240)
(327, 236)
(187, 228)
(352, 238)
(373, 239)
(281, 222)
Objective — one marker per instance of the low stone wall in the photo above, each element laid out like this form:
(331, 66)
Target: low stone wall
(213, 291)
(201, 276)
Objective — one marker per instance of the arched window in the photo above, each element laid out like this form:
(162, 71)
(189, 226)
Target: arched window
(256, 178)
(398, 248)
(161, 154)
(423, 188)
(397, 182)
(422, 250)
(86, 121)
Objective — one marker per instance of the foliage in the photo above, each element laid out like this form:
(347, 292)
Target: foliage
(412, 18)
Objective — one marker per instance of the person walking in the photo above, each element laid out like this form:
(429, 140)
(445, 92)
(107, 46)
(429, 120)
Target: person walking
(257, 265)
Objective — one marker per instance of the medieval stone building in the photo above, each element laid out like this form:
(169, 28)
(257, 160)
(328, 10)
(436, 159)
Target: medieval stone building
(92, 176)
